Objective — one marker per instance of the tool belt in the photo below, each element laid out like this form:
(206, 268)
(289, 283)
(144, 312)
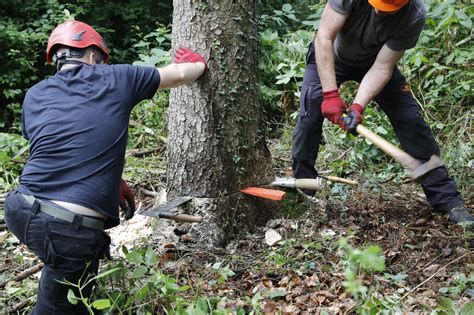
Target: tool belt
(65, 214)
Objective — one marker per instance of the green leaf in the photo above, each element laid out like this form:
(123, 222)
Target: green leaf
(277, 293)
(106, 273)
(467, 309)
(443, 290)
(134, 257)
(446, 305)
(193, 310)
(141, 295)
(71, 297)
(150, 256)
(371, 258)
(203, 304)
(139, 272)
(439, 79)
(381, 130)
(287, 7)
(101, 304)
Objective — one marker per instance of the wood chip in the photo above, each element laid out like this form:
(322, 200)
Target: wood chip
(272, 237)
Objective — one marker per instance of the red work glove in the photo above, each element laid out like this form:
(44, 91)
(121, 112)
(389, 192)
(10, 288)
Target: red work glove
(127, 200)
(354, 117)
(183, 55)
(333, 106)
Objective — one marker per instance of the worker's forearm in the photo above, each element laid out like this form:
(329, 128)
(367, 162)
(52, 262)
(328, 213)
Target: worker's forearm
(372, 83)
(175, 75)
(325, 62)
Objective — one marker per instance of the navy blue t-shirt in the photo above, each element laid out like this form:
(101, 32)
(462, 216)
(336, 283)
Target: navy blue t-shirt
(77, 124)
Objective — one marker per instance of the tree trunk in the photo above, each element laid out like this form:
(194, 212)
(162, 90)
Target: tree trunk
(216, 142)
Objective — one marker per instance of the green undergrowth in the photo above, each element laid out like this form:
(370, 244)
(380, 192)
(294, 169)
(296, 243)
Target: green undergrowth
(138, 282)
(293, 205)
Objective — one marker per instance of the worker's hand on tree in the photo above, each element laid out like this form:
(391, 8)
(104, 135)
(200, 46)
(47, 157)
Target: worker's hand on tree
(183, 55)
(333, 106)
(127, 200)
(354, 117)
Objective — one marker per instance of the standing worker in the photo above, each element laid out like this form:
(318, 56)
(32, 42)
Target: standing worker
(363, 41)
(77, 125)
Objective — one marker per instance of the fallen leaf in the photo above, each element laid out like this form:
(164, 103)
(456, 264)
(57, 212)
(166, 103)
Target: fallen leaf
(269, 308)
(291, 309)
(311, 281)
(284, 281)
(420, 222)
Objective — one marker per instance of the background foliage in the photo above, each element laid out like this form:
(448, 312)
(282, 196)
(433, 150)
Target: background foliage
(438, 70)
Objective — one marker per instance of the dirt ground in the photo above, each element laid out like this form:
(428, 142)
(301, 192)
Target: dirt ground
(420, 247)
(304, 272)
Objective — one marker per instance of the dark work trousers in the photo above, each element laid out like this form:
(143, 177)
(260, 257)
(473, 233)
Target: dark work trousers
(69, 251)
(403, 112)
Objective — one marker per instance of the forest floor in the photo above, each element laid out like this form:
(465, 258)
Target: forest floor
(425, 259)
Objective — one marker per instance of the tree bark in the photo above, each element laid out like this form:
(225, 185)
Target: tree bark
(216, 141)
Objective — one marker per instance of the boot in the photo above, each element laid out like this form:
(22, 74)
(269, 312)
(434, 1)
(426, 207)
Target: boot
(460, 215)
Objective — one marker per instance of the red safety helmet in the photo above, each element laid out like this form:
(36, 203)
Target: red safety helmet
(75, 34)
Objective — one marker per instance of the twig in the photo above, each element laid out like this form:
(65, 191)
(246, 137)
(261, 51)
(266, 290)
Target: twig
(149, 193)
(431, 277)
(465, 40)
(342, 154)
(19, 306)
(29, 272)
(25, 274)
(424, 266)
(143, 170)
(430, 262)
(142, 153)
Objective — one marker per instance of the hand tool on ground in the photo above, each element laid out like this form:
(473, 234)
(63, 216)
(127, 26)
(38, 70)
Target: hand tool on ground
(309, 183)
(162, 211)
(417, 170)
(272, 194)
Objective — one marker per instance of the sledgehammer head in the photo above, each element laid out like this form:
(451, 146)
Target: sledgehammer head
(420, 172)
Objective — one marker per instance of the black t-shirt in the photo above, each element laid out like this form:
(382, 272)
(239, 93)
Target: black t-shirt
(77, 124)
(364, 32)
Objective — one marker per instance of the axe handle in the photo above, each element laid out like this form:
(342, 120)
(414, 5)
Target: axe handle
(308, 183)
(341, 180)
(180, 217)
(398, 154)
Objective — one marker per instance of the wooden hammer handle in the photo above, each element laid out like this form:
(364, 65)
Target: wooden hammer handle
(341, 180)
(180, 217)
(398, 154)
